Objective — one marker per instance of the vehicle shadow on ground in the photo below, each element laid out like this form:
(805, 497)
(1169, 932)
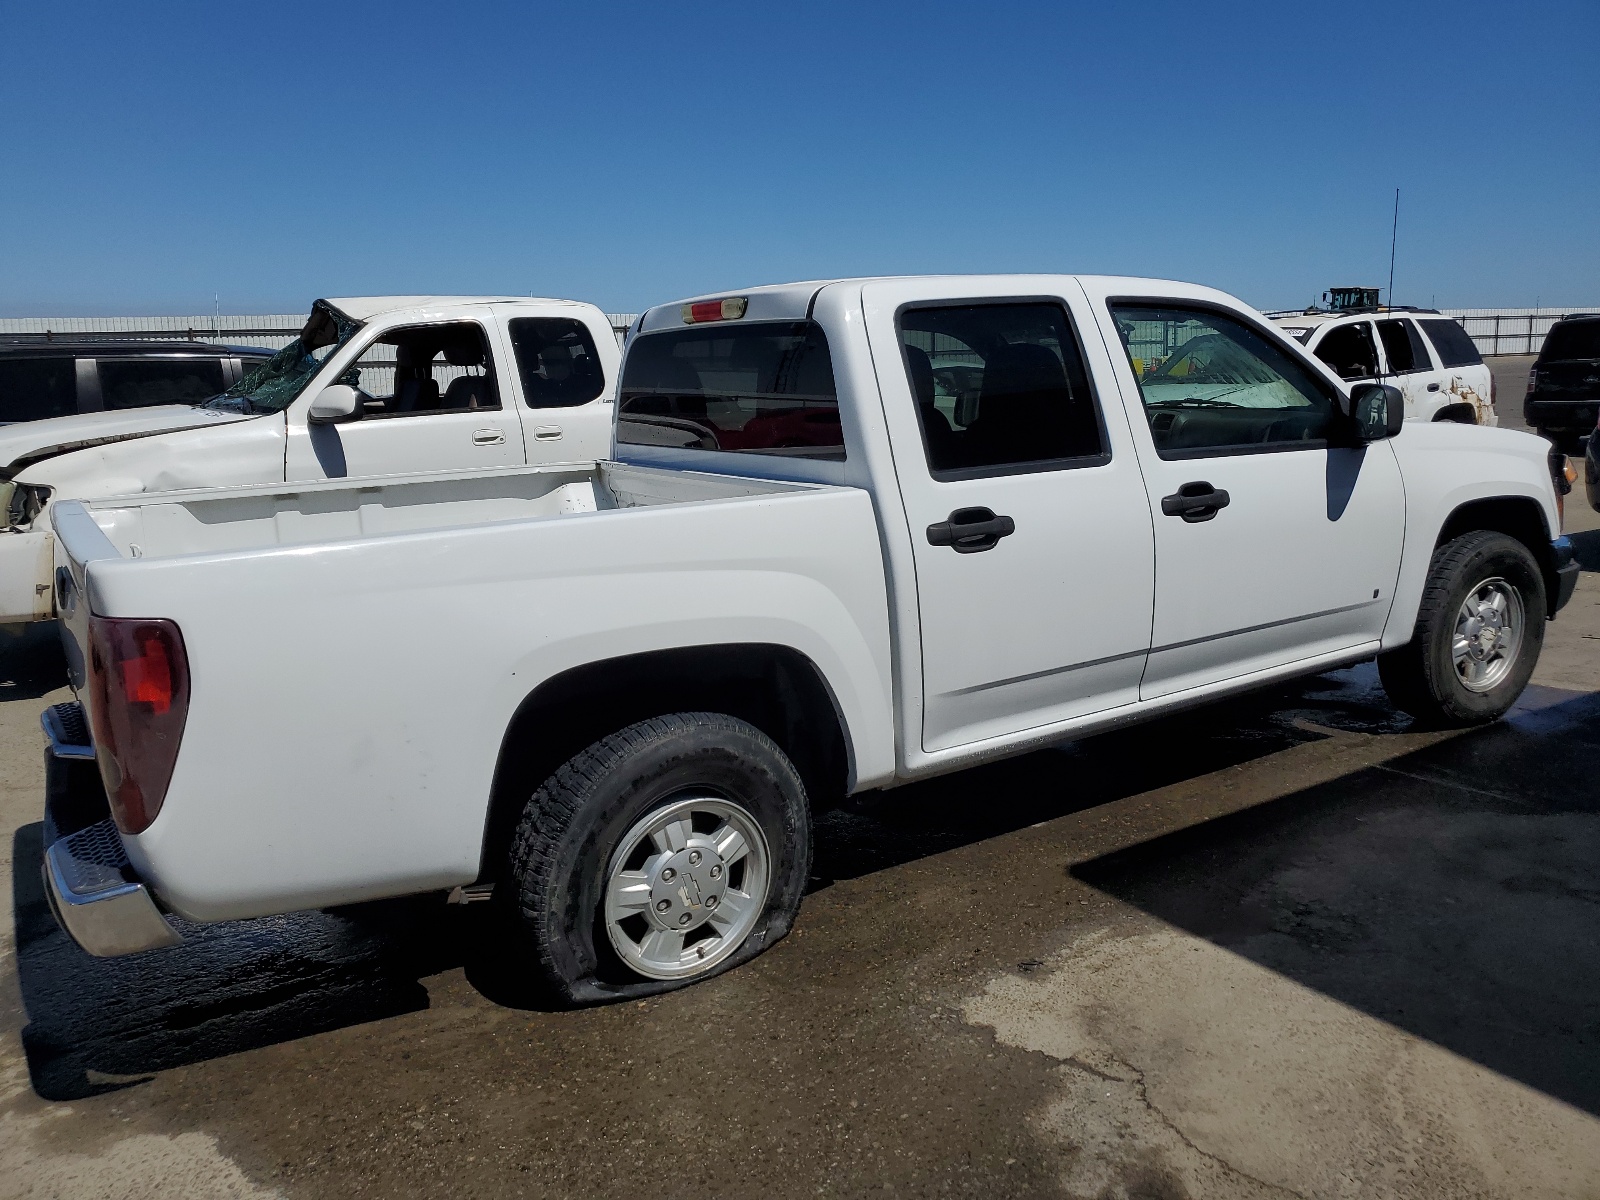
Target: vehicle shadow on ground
(878, 830)
(1453, 893)
(31, 661)
(1586, 548)
(100, 1024)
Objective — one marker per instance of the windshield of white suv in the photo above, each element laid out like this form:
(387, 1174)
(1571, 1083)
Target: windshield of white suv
(273, 385)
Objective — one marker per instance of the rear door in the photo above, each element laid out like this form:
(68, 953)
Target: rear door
(1463, 377)
(560, 387)
(1273, 546)
(1031, 531)
(1410, 366)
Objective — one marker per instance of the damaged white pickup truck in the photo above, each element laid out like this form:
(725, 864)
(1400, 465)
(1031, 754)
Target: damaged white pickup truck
(406, 384)
(854, 534)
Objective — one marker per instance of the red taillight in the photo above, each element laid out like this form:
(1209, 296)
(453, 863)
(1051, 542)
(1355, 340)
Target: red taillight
(730, 309)
(138, 681)
(147, 677)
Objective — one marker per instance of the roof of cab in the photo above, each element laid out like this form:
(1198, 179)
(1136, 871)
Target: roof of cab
(364, 308)
(1310, 320)
(792, 301)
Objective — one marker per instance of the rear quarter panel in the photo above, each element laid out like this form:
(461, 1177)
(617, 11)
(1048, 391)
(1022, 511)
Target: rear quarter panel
(349, 699)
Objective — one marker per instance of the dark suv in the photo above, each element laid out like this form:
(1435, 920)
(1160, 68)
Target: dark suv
(58, 379)
(1564, 386)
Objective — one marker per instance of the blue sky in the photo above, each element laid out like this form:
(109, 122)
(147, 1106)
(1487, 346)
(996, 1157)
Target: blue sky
(154, 155)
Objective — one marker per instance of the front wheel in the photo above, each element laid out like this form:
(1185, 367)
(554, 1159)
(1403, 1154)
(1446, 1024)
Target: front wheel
(661, 855)
(1478, 634)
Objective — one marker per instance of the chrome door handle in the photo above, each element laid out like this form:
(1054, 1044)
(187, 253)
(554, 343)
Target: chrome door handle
(488, 437)
(547, 433)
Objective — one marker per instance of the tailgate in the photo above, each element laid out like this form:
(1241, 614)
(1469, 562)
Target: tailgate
(79, 541)
(1574, 380)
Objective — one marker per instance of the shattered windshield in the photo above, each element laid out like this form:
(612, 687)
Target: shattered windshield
(273, 385)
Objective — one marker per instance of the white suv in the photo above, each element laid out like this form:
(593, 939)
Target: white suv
(1428, 357)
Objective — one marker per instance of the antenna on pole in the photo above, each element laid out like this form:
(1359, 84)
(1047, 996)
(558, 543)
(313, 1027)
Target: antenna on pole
(1394, 234)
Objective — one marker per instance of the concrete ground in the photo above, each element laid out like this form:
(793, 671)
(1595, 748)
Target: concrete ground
(1286, 946)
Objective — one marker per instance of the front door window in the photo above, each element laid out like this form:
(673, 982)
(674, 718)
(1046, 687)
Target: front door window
(1350, 351)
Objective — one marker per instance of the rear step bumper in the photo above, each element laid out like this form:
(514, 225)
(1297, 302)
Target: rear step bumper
(93, 891)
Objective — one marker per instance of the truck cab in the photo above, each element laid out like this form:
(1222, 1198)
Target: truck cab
(852, 534)
(433, 383)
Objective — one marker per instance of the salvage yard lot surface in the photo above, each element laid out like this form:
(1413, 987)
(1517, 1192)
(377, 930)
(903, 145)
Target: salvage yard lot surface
(1283, 946)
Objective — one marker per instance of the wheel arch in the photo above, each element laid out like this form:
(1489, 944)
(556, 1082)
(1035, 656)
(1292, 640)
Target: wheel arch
(1518, 517)
(1461, 413)
(776, 688)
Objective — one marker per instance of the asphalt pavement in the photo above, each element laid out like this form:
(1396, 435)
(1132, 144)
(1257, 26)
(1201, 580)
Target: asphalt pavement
(1283, 946)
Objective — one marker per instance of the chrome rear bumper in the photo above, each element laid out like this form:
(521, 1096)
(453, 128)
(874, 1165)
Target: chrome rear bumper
(93, 891)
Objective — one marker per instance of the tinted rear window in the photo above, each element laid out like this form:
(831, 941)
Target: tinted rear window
(142, 382)
(33, 388)
(1569, 340)
(755, 389)
(1451, 341)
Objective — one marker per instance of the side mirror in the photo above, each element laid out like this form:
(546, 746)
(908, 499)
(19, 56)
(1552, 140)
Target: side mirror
(1378, 410)
(334, 403)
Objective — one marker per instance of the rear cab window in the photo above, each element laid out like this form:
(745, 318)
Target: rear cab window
(763, 388)
(1572, 341)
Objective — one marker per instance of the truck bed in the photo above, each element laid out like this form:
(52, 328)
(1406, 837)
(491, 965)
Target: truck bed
(220, 520)
(357, 650)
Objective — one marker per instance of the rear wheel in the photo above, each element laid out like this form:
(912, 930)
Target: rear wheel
(1478, 633)
(661, 855)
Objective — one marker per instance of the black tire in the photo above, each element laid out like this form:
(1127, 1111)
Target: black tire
(1421, 677)
(574, 821)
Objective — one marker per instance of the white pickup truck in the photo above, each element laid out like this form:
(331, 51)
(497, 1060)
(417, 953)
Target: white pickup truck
(422, 383)
(853, 534)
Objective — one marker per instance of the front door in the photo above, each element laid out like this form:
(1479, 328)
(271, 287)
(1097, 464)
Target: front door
(1351, 351)
(1030, 529)
(1273, 546)
(432, 401)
